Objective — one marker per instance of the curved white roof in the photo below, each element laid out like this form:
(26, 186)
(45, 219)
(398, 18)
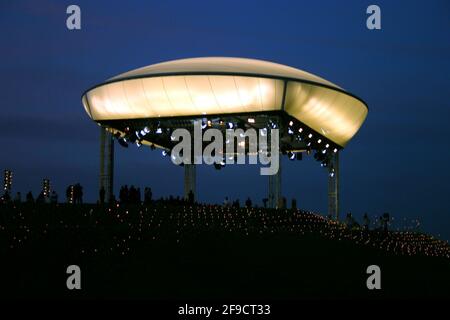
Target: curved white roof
(214, 86)
(224, 65)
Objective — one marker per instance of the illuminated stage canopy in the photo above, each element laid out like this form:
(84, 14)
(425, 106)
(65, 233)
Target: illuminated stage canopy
(206, 87)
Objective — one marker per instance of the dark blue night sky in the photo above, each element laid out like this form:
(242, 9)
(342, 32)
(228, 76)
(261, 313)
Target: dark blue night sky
(398, 162)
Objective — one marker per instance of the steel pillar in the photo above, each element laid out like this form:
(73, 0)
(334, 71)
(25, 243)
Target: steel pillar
(106, 163)
(190, 180)
(275, 188)
(333, 187)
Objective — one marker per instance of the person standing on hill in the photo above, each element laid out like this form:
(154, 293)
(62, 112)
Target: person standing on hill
(102, 195)
(366, 222)
(191, 197)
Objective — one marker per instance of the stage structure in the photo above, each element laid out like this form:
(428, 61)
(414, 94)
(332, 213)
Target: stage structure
(145, 105)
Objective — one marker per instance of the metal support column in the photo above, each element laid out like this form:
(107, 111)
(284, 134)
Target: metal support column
(190, 180)
(106, 163)
(275, 188)
(333, 187)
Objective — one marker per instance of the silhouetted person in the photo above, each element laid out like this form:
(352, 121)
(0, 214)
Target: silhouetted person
(191, 197)
(101, 194)
(283, 202)
(148, 195)
(132, 196)
(54, 197)
(138, 195)
(349, 220)
(294, 204)
(366, 222)
(29, 197)
(124, 194)
(248, 203)
(265, 202)
(18, 198)
(78, 193)
(41, 198)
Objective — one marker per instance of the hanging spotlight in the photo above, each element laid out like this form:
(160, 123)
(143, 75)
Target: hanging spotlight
(263, 132)
(204, 123)
(164, 153)
(144, 132)
(335, 150)
(290, 132)
(120, 140)
(291, 155)
(132, 137)
(230, 125)
(300, 130)
(310, 135)
(136, 134)
(332, 172)
(272, 124)
(327, 146)
(158, 131)
(123, 142)
(291, 123)
(319, 141)
(251, 120)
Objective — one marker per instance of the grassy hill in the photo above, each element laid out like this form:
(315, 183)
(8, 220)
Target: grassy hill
(178, 251)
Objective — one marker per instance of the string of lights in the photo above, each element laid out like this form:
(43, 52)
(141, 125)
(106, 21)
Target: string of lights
(119, 229)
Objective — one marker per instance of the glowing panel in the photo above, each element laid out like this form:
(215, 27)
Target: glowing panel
(171, 96)
(333, 114)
